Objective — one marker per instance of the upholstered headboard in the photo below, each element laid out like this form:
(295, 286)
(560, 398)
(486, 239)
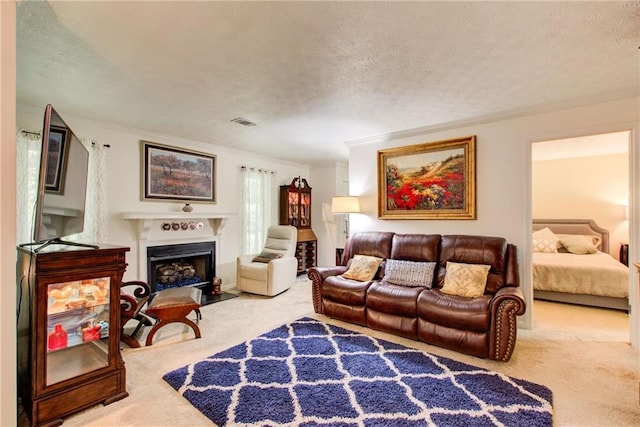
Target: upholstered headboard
(575, 226)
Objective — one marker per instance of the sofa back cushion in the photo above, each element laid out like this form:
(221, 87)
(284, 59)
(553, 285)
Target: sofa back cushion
(371, 243)
(415, 247)
(490, 251)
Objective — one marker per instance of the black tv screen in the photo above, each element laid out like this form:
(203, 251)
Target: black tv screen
(62, 182)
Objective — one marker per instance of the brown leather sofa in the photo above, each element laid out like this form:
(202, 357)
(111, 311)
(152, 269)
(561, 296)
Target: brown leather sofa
(483, 326)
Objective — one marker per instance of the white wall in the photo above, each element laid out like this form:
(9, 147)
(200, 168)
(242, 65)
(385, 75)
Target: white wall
(503, 167)
(124, 183)
(328, 181)
(594, 187)
(8, 384)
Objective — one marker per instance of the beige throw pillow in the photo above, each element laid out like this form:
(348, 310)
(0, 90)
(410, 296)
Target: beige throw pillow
(465, 280)
(363, 268)
(579, 245)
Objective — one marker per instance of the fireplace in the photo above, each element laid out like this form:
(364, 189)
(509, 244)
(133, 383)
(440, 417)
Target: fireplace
(186, 264)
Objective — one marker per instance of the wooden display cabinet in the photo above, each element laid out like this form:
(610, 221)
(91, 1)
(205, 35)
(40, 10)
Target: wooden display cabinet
(295, 209)
(68, 334)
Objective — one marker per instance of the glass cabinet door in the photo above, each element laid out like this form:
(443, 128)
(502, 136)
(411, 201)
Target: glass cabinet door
(77, 328)
(294, 214)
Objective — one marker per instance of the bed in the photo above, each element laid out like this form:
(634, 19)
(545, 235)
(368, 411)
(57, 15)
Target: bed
(593, 279)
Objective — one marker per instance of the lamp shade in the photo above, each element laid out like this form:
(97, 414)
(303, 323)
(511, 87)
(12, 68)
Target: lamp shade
(345, 204)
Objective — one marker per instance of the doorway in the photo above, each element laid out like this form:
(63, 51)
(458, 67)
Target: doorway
(585, 177)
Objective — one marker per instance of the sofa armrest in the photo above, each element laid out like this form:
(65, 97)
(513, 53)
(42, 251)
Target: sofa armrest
(317, 275)
(505, 305)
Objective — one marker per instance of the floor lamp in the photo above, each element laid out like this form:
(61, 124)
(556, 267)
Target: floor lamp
(344, 205)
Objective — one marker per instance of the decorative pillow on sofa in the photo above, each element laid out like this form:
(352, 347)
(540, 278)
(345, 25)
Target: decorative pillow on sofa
(266, 257)
(409, 273)
(465, 280)
(580, 245)
(362, 268)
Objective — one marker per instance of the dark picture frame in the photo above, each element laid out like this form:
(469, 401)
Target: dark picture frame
(56, 160)
(171, 173)
(435, 180)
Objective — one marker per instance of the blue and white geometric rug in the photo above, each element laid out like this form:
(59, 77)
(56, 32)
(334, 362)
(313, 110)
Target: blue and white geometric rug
(309, 373)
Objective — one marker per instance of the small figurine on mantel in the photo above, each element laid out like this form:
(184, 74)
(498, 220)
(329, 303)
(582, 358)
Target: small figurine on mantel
(187, 208)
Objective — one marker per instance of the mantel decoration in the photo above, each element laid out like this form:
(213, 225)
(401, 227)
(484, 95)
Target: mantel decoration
(171, 173)
(433, 180)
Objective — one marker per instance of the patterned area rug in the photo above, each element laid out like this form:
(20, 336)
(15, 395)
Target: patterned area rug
(309, 373)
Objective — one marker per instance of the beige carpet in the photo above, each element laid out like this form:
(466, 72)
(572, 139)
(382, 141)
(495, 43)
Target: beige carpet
(582, 354)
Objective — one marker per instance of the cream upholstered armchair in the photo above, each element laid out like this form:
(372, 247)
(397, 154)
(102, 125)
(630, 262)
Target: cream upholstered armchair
(274, 270)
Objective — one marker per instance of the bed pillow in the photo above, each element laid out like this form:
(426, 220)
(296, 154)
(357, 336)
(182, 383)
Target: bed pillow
(362, 268)
(579, 245)
(545, 240)
(409, 273)
(545, 245)
(465, 280)
(595, 240)
(545, 234)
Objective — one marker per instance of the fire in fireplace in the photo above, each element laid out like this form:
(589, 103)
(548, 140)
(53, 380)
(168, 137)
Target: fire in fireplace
(187, 264)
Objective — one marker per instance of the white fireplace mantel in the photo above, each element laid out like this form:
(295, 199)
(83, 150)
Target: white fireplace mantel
(145, 220)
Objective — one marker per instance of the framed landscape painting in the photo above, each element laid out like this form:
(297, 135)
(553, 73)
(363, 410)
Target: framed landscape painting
(171, 173)
(435, 180)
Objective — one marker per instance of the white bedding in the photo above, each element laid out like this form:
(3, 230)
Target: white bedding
(594, 274)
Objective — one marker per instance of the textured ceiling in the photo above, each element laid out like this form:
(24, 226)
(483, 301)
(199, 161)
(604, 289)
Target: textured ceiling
(314, 75)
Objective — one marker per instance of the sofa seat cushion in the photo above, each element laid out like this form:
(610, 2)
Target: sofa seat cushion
(462, 313)
(395, 299)
(345, 291)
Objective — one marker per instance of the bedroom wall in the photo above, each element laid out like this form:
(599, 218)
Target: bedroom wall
(124, 182)
(503, 185)
(595, 187)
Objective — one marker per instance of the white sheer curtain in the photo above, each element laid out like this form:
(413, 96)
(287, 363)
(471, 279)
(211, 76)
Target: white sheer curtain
(27, 163)
(258, 207)
(95, 216)
(27, 169)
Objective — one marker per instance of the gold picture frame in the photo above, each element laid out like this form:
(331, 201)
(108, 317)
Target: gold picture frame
(434, 180)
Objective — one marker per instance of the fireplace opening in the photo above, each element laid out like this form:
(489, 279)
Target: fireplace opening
(187, 264)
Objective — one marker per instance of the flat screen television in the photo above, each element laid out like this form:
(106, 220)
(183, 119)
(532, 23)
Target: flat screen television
(62, 184)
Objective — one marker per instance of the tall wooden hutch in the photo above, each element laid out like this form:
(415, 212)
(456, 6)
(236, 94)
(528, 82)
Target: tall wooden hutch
(295, 209)
(69, 330)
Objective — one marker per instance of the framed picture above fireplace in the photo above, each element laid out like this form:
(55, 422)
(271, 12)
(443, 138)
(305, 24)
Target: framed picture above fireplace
(171, 173)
